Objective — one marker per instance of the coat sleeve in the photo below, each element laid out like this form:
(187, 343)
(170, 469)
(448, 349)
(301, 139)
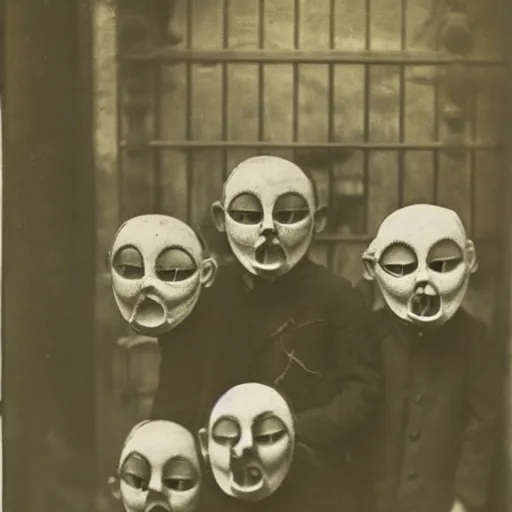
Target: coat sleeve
(483, 409)
(356, 350)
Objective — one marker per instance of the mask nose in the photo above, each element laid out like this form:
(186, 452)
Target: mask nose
(149, 285)
(267, 225)
(156, 489)
(422, 277)
(243, 447)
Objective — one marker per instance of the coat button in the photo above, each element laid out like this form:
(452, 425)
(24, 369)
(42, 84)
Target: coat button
(412, 475)
(418, 399)
(414, 436)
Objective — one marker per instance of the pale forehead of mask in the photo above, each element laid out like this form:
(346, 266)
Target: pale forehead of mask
(160, 441)
(246, 401)
(157, 232)
(267, 174)
(422, 224)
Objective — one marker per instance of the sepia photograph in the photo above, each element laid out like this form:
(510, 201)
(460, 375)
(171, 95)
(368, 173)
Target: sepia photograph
(256, 255)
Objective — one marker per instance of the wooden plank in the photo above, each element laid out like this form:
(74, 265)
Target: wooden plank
(349, 103)
(207, 112)
(173, 174)
(490, 194)
(314, 25)
(454, 186)
(137, 80)
(207, 24)
(384, 103)
(243, 105)
(385, 19)
(313, 114)
(278, 87)
(349, 26)
(418, 177)
(419, 106)
(243, 25)
(383, 190)
(279, 24)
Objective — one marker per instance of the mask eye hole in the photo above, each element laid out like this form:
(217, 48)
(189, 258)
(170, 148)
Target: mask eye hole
(399, 260)
(269, 438)
(269, 430)
(174, 265)
(128, 263)
(246, 209)
(400, 270)
(179, 475)
(136, 472)
(226, 432)
(290, 208)
(136, 482)
(442, 266)
(444, 256)
(179, 484)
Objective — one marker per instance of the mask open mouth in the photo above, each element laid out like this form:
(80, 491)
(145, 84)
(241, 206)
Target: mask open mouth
(149, 313)
(270, 255)
(425, 304)
(157, 507)
(248, 477)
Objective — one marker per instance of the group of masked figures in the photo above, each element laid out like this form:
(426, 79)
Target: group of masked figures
(280, 388)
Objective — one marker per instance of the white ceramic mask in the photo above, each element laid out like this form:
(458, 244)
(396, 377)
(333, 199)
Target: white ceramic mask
(422, 261)
(158, 269)
(269, 213)
(250, 441)
(159, 469)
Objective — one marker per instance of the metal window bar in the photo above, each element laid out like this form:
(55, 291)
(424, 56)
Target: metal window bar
(330, 128)
(295, 106)
(435, 152)
(472, 166)
(189, 153)
(300, 56)
(157, 126)
(366, 114)
(261, 73)
(372, 146)
(401, 113)
(225, 86)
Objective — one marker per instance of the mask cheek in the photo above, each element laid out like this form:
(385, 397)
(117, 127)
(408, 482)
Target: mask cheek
(450, 282)
(185, 501)
(133, 499)
(179, 292)
(180, 298)
(219, 457)
(401, 288)
(242, 234)
(126, 290)
(276, 459)
(292, 235)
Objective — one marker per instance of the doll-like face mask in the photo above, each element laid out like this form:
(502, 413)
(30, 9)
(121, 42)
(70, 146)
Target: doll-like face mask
(422, 261)
(158, 269)
(159, 469)
(270, 215)
(250, 441)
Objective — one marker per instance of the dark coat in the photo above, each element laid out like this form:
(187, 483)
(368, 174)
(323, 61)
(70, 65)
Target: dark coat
(305, 334)
(435, 437)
